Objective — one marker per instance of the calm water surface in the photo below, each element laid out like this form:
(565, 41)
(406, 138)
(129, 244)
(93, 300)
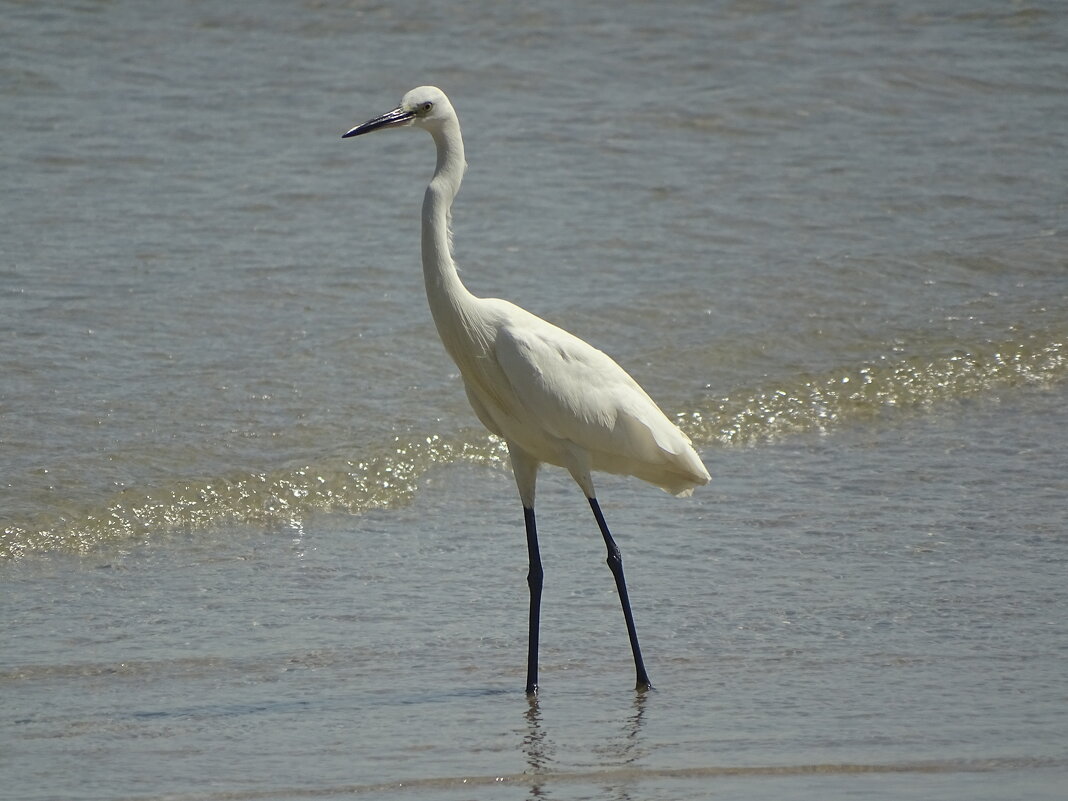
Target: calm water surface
(252, 542)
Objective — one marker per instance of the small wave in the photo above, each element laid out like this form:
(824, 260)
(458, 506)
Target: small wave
(543, 781)
(796, 405)
(818, 403)
(387, 478)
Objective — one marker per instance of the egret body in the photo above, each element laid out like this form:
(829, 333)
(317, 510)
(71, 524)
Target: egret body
(552, 397)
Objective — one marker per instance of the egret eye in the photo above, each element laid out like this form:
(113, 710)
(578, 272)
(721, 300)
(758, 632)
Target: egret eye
(427, 106)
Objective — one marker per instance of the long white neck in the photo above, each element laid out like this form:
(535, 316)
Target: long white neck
(444, 290)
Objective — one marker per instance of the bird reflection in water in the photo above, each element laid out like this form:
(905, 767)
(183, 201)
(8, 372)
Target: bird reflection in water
(626, 748)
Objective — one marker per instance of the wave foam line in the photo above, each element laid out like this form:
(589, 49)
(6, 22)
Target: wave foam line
(278, 497)
(821, 402)
(794, 406)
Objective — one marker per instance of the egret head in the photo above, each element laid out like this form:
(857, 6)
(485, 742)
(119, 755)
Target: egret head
(424, 107)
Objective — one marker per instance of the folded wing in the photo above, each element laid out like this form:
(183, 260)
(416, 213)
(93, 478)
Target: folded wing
(574, 392)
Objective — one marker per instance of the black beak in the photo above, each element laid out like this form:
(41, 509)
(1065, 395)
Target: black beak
(391, 119)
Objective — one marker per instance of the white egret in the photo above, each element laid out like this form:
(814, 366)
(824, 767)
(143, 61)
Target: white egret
(549, 395)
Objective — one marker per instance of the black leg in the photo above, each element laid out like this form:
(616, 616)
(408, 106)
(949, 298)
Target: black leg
(615, 563)
(534, 579)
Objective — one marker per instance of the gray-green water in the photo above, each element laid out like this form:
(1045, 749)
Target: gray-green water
(254, 544)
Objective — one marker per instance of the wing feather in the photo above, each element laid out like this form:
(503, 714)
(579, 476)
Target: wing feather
(577, 393)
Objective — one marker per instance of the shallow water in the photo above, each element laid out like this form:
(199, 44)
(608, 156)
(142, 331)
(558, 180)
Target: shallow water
(242, 497)
(856, 614)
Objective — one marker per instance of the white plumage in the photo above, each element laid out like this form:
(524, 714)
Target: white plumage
(552, 397)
